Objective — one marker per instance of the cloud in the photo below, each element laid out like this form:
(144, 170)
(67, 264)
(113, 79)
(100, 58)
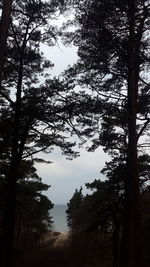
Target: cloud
(61, 56)
(65, 176)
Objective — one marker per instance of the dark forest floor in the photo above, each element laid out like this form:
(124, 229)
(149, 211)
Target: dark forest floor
(60, 251)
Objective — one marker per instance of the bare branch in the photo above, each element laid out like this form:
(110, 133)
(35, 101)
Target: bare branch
(143, 129)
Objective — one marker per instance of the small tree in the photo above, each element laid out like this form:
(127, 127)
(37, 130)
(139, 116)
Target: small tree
(74, 212)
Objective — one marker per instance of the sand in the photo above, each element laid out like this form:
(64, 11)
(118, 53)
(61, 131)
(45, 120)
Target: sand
(57, 239)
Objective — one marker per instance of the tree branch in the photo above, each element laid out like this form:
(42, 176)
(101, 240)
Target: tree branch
(143, 128)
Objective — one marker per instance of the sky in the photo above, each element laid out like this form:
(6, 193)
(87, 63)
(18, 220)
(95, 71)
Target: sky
(63, 175)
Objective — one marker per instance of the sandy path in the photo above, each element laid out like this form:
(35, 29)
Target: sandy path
(61, 240)
(57, 239)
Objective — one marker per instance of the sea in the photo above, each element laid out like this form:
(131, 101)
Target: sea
(59, 219)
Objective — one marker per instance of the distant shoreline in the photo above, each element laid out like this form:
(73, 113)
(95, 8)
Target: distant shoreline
(59, 219)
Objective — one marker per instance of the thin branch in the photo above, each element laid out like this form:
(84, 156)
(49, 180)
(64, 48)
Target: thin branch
(15, 37)
(144, 81)
(35, 152)
(7, 98)
(144, 145)
(143, 128)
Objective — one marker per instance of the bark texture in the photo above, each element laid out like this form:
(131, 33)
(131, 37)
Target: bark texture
(131, 241)
(4, 26)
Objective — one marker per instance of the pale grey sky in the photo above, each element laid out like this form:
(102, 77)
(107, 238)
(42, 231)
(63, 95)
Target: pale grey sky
(63, 175)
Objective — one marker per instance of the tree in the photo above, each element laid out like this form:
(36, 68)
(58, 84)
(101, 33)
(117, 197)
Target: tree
(74, 212)
(32, 206)
(100, 213)
(113, 55)
(33, 218)
(115, 172)
(4, 26)
(36, 118)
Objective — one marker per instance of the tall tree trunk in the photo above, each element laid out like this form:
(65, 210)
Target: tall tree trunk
(116, 243)
(4, 26)
(131, 240)
(17, 151)
(9, 214)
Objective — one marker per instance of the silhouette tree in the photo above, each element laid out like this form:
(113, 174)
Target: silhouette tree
(101, 213)
(32, 211)
(112, 45)
(73, 211)
(32, 208)
(36, 118)
(4, 26)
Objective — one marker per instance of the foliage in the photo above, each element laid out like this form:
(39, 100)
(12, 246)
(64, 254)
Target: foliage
(41, 107)
(74, 211)
(113, 44)
(32, 207)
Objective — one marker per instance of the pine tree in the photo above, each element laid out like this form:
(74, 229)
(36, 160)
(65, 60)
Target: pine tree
(74, 212)
(35, 112)
(4, 27)
(113, 48)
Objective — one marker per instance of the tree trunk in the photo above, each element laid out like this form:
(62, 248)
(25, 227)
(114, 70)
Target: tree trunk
(4, 26)
(116, 243)
(9, 217)
(131, 240)
(13, 176)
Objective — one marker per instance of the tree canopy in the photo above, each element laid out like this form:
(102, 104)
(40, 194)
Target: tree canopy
(113, 44)
(104, 98)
